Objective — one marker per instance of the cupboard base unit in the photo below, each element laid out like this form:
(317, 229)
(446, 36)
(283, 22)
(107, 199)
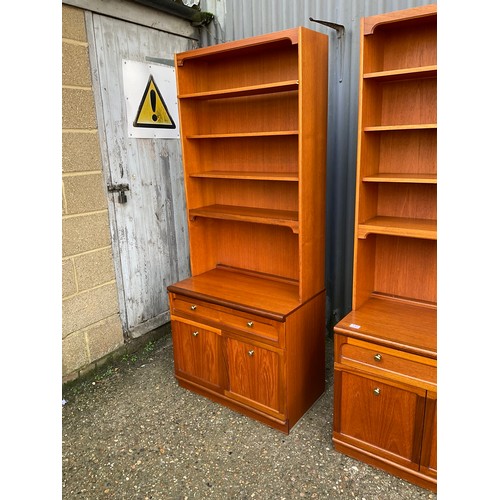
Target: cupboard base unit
(385, 380)
(246, 342)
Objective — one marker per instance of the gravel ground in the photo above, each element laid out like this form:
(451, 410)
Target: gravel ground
(130, 432)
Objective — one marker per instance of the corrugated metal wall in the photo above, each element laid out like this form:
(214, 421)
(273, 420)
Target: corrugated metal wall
(236, 19)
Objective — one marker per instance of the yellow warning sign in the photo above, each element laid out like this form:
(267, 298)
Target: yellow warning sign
(153, 112)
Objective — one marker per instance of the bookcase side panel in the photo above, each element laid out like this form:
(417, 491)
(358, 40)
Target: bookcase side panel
(313, 98)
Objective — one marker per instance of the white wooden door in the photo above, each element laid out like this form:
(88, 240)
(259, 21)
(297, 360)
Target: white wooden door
(149, 231)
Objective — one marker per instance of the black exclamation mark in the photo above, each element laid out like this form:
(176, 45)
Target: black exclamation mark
(152, 98)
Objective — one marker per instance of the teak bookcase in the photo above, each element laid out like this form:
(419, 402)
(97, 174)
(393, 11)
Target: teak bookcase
(385, 355)
(249, 325)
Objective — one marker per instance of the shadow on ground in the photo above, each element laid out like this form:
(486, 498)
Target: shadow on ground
(130, 432)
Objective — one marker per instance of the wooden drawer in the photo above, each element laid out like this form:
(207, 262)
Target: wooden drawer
(194, 309)
(391, 362)
(252, 324)
(225, 318)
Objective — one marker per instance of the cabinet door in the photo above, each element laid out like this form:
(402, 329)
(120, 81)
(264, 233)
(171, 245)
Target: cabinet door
(196, 353)
(254, 375)
(429, 445)
(380, 418)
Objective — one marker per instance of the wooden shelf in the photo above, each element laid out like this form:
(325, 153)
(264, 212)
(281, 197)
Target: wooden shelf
(390, 128)
(394, 323)
(398, 226)
(286, 218)
(252, 176)
(244, 134)
(402, 178)
(239, 48)
(403, 74)
(266, 88)
(242, 291)
(409, 17)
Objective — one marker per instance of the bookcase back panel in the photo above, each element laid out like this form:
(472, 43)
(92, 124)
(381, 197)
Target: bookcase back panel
(253, 247)
(276, 62)
(406, 267)
(416, 201)
(408, 102)
(408, 45)
(413, 201)
(259, 113)
(257, 194)
(250, 154)
(407, 151)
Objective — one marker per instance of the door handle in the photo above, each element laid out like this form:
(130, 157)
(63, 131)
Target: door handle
(120, 189)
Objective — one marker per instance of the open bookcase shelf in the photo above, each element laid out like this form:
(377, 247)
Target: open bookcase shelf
(265, 88)
(254, 153)
(251, 176)
(399, 226)
(244, 134)
(403, 126)
(404, 327)
(285, 218)
(225, 286)
(402, 178)
(403, 74)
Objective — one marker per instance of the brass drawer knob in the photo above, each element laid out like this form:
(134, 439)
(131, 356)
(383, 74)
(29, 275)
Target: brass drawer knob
(377, 357)
(195, 334)
(193, 307)
(251, 353)
(250, 324)
(376, 391)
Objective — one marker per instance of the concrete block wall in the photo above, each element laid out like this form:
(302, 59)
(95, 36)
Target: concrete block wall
(91, 326)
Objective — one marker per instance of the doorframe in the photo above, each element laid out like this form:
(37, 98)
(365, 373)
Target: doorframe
(106, 168)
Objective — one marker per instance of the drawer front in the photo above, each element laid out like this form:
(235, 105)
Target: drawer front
(251, 324)
(389, 361)
(194, 309)
(224, 318)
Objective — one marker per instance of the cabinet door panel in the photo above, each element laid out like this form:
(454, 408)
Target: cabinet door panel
(429, 446)
(381, 418)
(196, 353)
(254, 373)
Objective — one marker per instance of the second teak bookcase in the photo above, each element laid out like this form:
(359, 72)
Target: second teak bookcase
(249, 325)
(385, 369)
